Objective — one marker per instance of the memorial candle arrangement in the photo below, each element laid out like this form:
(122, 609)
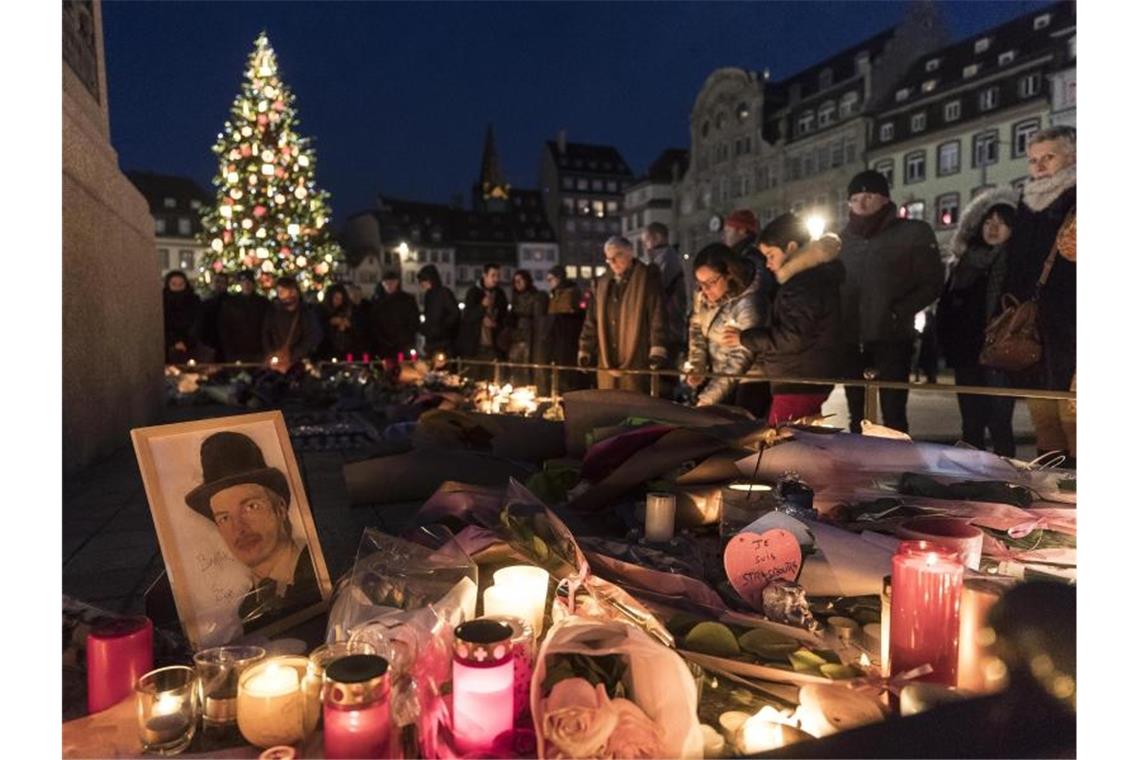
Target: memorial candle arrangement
(660, 512)
(521, 592)
(272, 707)
(523, 648)
(482, 687)
(219, 670)
(119, 652)
(926, 591)
(167, 709)
(357, 716)
(741, 504)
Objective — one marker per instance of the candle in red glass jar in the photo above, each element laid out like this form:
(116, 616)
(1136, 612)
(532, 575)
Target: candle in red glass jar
(357, 717)
(119, 653)
(483, 684)
(926, 592)
(348, 358)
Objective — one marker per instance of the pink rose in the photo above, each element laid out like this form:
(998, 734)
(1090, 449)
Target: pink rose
(577, 719)
(635, 736)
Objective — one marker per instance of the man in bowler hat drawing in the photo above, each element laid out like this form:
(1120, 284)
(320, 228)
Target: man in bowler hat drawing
(248, 502)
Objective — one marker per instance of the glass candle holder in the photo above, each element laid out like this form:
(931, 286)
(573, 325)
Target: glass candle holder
(119, 653)
(526, 587)
(741, 504)
(323, 656)
(357, 717)
(272, 707)
(218, 672)
(523, 649)
(926, 592)
(660, 514)
(167, 701)
(482, 684)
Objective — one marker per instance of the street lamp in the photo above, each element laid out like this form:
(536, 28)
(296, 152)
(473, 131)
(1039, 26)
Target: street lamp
(402, 249)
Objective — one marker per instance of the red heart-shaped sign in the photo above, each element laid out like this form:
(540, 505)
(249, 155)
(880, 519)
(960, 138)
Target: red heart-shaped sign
(753, 560)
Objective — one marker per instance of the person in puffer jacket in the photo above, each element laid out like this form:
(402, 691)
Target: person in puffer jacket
(726, 297)
(801, 337)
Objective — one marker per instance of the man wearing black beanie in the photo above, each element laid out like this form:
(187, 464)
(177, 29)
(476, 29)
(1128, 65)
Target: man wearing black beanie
(893, 271)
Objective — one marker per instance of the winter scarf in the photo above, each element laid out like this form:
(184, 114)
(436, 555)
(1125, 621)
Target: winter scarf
(1039, 194)
(868, 226)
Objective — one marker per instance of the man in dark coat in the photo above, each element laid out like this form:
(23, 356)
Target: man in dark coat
(208, 327)
(393, 319)
(180, 305)
(248, 502)
(655, 238)
(292, 329)
(240, 320)
(625, 324)
(1046, 217)
(484, 318)
(441, 313)
(893, 271)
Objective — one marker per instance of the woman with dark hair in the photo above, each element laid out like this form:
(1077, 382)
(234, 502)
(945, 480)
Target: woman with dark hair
(563, 326)
(180, 306)
(969, 300)
(528, 307)
(801, 338)
(339, 319)
(727, 297)
(441, 313)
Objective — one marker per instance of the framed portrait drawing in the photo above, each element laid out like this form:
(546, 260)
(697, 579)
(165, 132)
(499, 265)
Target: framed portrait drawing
(234, 525)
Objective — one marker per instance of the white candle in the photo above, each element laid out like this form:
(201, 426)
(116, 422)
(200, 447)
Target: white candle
(524, 587)
(713, 741)
(271, 706)
(759, 735)
(660, 511)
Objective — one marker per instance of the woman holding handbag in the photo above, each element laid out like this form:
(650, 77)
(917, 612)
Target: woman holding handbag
(969, 301)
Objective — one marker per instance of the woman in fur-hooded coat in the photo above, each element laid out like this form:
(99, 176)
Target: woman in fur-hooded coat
(970, 299)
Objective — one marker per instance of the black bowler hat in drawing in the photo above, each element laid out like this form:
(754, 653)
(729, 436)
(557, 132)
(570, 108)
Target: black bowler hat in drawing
(231, 459)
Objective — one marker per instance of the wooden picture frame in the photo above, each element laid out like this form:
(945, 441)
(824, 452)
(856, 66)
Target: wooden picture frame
(222, 520)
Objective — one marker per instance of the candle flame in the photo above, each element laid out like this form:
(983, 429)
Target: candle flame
(864, 660)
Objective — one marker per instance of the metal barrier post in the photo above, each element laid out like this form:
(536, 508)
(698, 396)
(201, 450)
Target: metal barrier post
(459, 366)
(554, 381)
(871, 396)
(498, 373)
(654, 384)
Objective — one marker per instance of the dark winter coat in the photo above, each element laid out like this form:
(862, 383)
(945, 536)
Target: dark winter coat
(441, 320)
(239, 326)
(891, 276)
(563, 324)
(803, 334)
(471, 322)
(278, 326)
(208, 328)
(668, 260)
(338, 343)
(970, 297)
(527, 311)
(393, 321)
(1033, 238)
(639, 321)
(180, 318)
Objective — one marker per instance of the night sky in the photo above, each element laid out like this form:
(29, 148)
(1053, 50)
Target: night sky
(397, 95)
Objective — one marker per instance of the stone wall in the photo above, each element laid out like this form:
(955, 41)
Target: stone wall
(112, 299)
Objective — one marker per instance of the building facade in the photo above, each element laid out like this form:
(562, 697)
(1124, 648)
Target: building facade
(793, 144)
(652, 198)
(175, 204)
(583, 189)
(959, 122)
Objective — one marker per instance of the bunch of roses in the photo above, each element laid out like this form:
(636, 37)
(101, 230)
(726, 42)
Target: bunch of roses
(581, 721)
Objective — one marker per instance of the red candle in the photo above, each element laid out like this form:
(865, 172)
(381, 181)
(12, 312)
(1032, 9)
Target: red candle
(348, 358)
(367, 358)
(119, 653)
(926, 592)
(357, 717)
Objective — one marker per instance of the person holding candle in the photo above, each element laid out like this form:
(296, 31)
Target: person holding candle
(802, 334)
(248, 502)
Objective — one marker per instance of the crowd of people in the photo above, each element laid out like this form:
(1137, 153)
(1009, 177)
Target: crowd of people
(772, 302)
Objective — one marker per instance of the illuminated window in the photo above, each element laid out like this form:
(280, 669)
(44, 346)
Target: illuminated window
(947, 213)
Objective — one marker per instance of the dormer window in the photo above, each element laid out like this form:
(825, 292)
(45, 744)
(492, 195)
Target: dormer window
(902, 94)
(970, 71)
(932, 64)
(1041, 21)
(1007, 57)
(169, 203)
(982, 45)
(929, 85)
(825, 79)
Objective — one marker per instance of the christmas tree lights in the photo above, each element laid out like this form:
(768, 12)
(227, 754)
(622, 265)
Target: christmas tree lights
(269, 216)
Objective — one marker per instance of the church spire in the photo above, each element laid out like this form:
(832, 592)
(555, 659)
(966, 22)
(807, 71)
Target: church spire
(491, 181)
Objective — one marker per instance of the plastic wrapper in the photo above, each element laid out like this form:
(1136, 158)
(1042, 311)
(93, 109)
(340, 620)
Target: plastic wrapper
(657, 679)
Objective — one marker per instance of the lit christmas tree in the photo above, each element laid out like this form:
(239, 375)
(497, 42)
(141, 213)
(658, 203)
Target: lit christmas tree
(270, 217)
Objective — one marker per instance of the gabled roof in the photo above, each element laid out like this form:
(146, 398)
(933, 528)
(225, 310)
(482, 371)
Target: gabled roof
(585, 158)
(1017, 35)
(661, 170)
(157, 187)
(842, 65)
